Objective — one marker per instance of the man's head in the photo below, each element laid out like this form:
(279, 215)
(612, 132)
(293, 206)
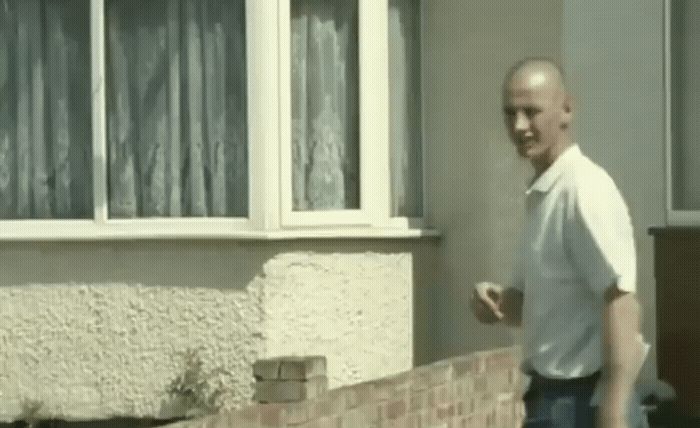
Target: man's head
(537, 110)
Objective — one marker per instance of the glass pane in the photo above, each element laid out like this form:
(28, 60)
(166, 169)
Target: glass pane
(325, 109)
(406, 131)
(176, 108)
(45, 111)
(685, 108)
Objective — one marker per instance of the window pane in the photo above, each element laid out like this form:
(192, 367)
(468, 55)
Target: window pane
(176, 108)
(45, 111)
(685, 108)
(325, 109)
(405, 108)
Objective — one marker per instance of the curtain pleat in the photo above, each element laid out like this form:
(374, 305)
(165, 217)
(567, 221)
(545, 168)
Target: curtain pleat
(184, 106)
(174, 141)
(45, 127)
(405, 108)
(324, 105)
(122, 198)
(58, 109)
(8, 110)
(24, 95)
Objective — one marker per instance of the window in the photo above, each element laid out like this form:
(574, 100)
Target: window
(683, 108)
(45, 151)
(162, 118)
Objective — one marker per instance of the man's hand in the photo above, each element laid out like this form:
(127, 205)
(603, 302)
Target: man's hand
(486, 301)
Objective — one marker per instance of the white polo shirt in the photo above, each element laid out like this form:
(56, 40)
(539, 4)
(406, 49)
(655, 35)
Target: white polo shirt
(577, 241)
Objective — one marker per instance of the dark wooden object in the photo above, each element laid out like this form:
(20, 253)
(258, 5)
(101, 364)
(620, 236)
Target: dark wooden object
(677, 271)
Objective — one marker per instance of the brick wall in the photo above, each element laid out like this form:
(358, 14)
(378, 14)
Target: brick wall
(478, 390)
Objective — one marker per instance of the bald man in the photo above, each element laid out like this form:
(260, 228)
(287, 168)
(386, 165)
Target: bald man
(573, 288)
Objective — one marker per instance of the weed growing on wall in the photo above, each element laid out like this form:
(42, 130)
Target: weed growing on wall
(198, 390)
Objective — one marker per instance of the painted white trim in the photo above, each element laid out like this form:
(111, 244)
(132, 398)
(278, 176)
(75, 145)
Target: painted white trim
(683, 218)
(674, 217)
(375, 176)
(148, 229)
(374, 130)
(667, 112)
(99, 107)
(263, 113)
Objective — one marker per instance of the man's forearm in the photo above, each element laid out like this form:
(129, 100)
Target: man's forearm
(620, 329)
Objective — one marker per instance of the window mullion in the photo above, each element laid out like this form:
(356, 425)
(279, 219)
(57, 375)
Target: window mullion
(375, 193)
(263, 118)
(99, 140)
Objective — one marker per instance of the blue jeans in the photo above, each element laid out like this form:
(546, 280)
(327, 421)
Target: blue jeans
(551, 403)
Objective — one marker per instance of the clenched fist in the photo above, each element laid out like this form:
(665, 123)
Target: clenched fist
(486, 302)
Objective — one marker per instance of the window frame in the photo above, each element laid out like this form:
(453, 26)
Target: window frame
(270, 214)
(674, 217)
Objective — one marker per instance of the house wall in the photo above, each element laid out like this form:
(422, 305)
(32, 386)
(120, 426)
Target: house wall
(98, 330)
(612, 53)
(475, 182)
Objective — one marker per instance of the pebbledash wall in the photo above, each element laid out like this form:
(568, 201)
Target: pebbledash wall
(98, 330)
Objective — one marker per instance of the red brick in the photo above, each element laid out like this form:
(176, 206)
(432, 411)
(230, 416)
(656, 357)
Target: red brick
(415, 401)
(481, 383)
(501, 359)
(445, 411)
(466, 367)
(396, 409)
(271, 415)
(297, 413)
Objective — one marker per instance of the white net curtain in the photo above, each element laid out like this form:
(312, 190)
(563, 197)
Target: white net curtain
(325, 105)
(325, 109)
(45, 112)
(405, 99)
(176, 108)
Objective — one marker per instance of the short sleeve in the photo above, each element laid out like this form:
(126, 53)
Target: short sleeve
(601, 237)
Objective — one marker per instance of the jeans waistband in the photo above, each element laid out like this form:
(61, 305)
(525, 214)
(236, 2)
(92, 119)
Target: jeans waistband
(538, 379)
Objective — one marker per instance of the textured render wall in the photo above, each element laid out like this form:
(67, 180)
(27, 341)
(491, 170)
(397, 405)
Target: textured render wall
(354, 309)
(95, 330)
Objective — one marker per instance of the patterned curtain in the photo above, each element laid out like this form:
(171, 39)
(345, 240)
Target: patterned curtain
(177, 125)
(45, 110)
(325, 115)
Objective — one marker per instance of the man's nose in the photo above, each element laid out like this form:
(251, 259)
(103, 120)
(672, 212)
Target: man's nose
(521, 122)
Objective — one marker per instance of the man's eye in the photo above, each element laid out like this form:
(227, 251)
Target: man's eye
(530, 112)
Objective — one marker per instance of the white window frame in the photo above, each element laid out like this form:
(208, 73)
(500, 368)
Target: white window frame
(270, 214)
(404, 222)
(674, 217)
(374, 123)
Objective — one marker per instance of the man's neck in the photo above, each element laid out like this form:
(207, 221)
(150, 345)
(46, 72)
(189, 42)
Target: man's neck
(542, 164)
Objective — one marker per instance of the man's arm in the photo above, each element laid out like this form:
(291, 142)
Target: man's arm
(620, 350)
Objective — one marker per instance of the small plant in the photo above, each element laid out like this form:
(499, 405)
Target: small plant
(195, 387)
(31, 412)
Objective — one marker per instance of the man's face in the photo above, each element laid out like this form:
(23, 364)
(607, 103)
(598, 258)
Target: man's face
(535, 113)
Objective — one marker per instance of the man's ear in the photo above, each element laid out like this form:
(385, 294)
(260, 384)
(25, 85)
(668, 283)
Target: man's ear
(567, 110)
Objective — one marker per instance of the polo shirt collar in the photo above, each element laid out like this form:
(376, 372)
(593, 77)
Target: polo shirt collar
(545, 181)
